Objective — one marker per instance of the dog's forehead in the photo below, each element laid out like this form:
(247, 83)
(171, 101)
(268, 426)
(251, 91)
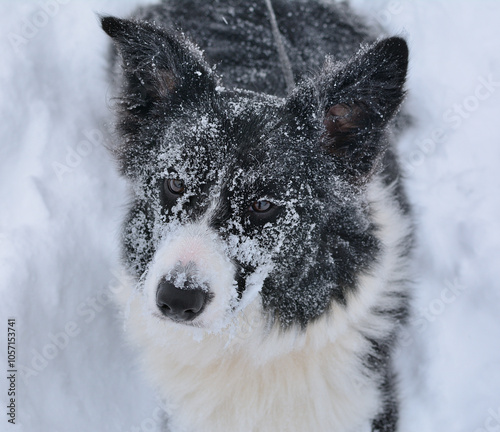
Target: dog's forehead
(242, 139)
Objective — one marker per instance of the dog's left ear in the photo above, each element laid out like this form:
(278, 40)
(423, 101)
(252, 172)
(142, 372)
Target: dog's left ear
(360, 99)
(357, 101)
(159, 65)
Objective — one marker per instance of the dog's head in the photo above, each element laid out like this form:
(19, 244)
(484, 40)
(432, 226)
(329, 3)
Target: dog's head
(238, 194)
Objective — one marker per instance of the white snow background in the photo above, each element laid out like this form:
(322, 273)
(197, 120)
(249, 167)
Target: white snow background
(61, 202)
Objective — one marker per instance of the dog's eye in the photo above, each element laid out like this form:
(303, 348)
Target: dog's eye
(261, 206)
(171, 189)
(174, 186)
(262, 212)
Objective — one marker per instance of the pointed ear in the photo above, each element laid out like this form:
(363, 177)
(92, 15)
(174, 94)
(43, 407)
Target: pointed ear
(158, 65)
(359, 100)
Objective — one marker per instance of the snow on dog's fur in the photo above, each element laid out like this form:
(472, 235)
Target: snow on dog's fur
(267, 243)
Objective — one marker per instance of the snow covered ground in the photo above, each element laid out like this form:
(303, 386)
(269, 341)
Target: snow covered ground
(61, 201)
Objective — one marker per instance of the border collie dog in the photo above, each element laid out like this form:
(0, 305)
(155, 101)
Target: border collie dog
(268, 238)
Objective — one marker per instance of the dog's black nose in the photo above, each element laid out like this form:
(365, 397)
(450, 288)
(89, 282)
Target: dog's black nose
(179, 304)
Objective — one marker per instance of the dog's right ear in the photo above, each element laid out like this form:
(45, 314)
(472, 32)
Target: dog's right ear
(158, 65)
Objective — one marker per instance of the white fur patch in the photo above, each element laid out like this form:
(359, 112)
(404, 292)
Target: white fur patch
(197, 247)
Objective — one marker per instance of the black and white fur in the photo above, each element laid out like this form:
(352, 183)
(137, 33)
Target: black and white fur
(268, 238)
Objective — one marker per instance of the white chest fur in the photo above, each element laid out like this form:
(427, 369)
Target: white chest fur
(283, 383)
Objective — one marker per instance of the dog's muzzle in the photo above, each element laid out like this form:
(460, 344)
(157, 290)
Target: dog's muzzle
(191, 280)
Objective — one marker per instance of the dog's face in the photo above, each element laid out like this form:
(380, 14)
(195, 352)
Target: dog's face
(238, 194)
